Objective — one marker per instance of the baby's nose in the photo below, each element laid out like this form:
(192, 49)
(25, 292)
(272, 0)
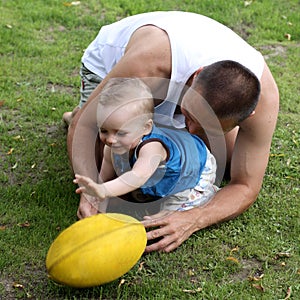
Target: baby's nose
(111, 139)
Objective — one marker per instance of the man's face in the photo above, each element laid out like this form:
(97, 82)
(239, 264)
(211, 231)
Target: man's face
(200, 118)
(191, 123)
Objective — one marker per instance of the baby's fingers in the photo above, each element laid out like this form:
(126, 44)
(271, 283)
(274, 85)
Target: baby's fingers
(80, 190)
(81, 179)
(77, 178)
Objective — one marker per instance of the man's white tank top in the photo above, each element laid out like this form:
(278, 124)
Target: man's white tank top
(196, 41)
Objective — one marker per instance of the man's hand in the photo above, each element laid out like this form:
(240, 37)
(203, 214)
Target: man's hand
(172, 228)
(86, 207)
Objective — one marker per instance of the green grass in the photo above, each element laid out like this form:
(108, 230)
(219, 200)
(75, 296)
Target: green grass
(41, 46)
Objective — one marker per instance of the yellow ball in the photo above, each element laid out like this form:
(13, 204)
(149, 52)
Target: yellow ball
(96, 250)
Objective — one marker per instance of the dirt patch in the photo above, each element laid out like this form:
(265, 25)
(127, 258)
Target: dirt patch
(31, 285)
(250, 267)
(6, 289)
(243, 30)
(270, 51)
(53, 87)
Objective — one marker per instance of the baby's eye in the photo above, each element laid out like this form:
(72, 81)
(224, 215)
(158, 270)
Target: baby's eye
(103, 131)
(121, 133)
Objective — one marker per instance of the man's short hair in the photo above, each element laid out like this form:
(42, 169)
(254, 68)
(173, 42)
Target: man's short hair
(230, 89)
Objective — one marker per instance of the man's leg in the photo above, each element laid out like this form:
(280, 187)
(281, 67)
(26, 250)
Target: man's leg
(89, 81)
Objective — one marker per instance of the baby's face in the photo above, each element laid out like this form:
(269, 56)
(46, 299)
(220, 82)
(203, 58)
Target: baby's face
(121, 129)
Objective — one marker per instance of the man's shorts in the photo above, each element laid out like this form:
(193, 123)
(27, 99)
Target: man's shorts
(201, 194)
(89, 81)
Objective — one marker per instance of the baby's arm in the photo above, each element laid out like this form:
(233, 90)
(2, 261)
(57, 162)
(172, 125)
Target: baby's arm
(88, 186)
(150, 156)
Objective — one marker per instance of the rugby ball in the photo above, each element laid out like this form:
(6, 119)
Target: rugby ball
(96, 250)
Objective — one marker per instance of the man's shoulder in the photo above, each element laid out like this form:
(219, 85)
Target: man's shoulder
(150, 46)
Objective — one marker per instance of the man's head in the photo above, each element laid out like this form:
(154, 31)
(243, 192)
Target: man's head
(228, 88)
(124, 113)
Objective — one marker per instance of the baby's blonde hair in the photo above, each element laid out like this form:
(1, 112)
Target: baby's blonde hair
(118, 92)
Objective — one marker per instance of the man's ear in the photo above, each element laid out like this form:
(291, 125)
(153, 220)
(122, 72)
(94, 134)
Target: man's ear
(252, 114)
(197, 72)
(148, 126)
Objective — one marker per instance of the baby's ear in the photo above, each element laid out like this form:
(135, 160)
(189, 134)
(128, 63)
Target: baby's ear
(148, 126)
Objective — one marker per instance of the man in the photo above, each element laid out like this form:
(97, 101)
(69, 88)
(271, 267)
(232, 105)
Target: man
(171, 50)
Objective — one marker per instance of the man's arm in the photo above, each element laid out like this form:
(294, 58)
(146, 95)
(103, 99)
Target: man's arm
(107, 171)
(249, 162)
(148, 44)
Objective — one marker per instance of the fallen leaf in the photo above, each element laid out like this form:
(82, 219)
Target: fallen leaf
(258, 275)
(18, 285)
(2, 103)
(122, 281)
(191, 273)
(259, 287)
(288, 293)
(192, 291)
(288, 36)
(11, 150)
(73, 3)
(2, 227)
(25, 224)
(23, 83)
(247, 3)
(283, 254)
(235, 249)
(21, 287)
(232, 259)
(141, 266)
(275, 154)
(19, 137)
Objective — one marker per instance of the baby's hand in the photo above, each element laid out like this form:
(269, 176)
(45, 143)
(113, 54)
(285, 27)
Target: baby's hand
(90, 187)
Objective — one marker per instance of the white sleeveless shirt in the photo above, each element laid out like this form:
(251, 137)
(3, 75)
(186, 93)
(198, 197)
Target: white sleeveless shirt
(196, 41)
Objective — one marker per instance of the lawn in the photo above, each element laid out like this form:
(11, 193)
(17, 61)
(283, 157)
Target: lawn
(255, 256)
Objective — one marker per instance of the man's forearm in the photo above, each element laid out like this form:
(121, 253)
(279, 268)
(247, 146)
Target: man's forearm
(82, 135)
(228, 203)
